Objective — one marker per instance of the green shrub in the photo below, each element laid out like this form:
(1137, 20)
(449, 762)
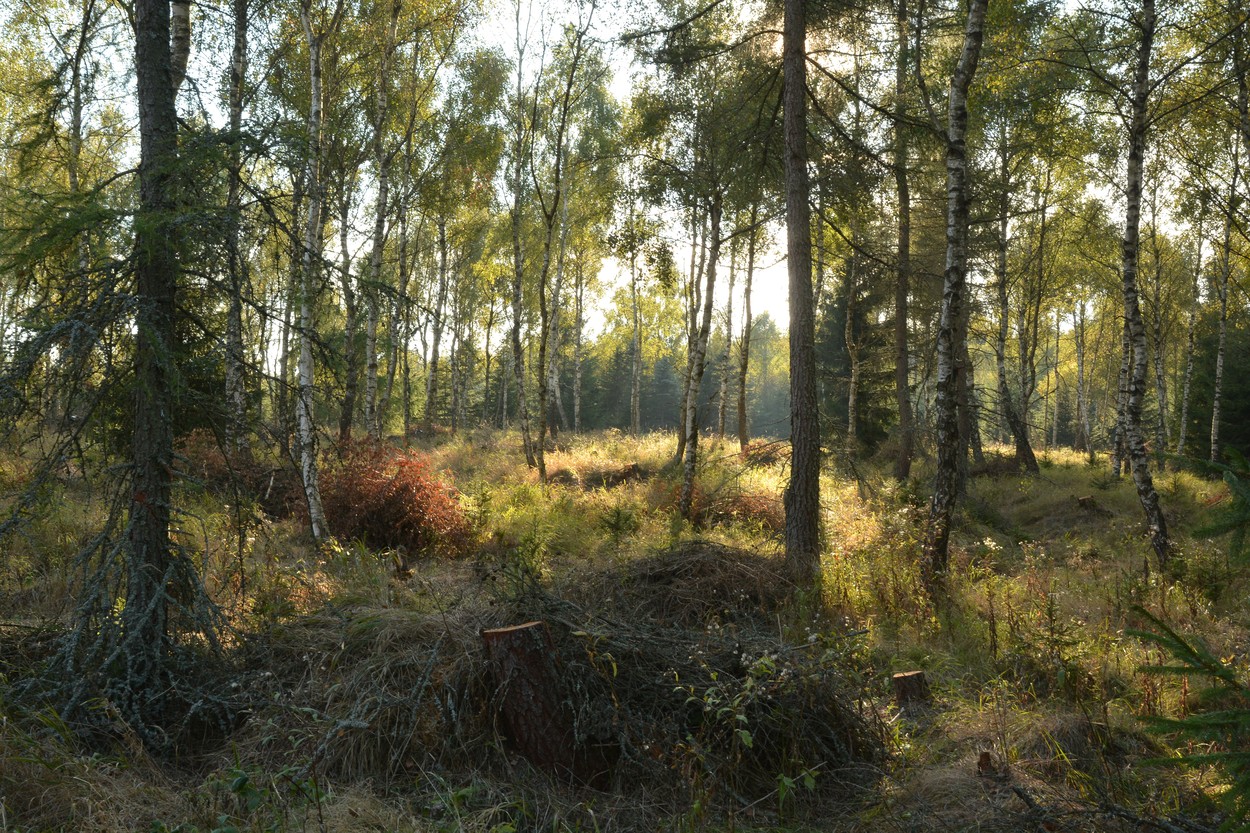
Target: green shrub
(1220, 724)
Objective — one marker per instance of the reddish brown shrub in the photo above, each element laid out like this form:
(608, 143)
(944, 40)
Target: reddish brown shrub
(755, 508)
(666, 497)
(390, 499)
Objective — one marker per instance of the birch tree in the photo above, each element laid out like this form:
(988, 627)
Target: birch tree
(319, 25)
(949, 350)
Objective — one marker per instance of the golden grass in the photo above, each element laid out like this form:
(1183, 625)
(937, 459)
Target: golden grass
(1030, 660)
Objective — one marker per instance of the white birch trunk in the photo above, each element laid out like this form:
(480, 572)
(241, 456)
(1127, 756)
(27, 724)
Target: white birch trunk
(1134, 441)
(310, 275)
(949, 350)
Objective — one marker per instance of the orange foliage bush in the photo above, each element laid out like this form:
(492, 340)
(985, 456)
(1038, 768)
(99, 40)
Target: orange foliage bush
(390, 499)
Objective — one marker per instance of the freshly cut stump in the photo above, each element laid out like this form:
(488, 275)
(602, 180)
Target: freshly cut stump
(910, 687)
(539, 722)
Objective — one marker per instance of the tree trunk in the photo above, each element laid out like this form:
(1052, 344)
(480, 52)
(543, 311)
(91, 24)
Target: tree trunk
(1191, 327)
(722, 399)
(501, 413)
(967, 404)
(518, 273)
(802, 495)
(579, 326)
(698, 364)
(1134, 440)
(351, 325)
(555, 219)
(457, 361)
(744, 344)
(1163, 431)
(1031, 334)
(490, 328)
(310, 281)
(396, 317)
(902, 359)
(236, 397)
(1054, 387)
(949, 350)
(635, 372)
(180, 41)
(1084, 442)
(1006, 403)
(143, 655)
(698, 260)
(282, 405)
(1221, 293)
(406, 366)
(382, 161)
(1243, 109)
(848, 334)
(557, 305)
(436, 340)
(1119, 442)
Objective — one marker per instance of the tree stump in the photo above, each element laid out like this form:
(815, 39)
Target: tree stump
(536, 716)
(910, 687)
(1092, 506)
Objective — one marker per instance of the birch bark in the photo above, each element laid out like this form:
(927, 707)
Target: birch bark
(1134, 440)
(949, 350)
(310, 274)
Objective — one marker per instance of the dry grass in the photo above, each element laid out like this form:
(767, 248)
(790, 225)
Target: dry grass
(671, 639)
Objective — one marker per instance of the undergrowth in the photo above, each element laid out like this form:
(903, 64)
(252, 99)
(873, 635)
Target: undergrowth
(727, 700)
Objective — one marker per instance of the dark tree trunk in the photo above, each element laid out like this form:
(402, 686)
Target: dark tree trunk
(518, 354)
(698, 259)
(1006, 403)
(802, 496)
(722, 398)
(145, 626)
(396, 312)
(440, 304)
(1191, 327)
(1119, 453)
(236, 398)
(902, 382)
(351, 319)
(698, 363)
(744, 344)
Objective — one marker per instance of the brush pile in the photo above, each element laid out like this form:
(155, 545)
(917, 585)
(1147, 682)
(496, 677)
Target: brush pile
(681, 671)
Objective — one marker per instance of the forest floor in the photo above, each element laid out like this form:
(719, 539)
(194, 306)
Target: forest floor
(711, 693)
